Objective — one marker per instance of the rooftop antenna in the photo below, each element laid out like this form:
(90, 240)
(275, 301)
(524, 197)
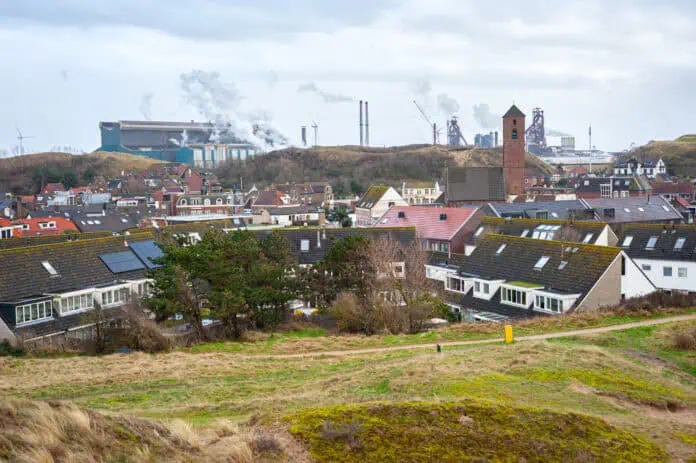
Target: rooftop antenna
(315, 126)
(21, 139)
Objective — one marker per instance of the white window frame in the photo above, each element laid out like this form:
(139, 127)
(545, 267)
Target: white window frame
(33, 312)
(464, 284)
(541, 263)
(665, 271)
(49, 268)
(77, 301)
(682, 272)
(627, 241)
(506, 296)
(652, 242)
(304, 245)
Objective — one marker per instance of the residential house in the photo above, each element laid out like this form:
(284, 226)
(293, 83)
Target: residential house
(613, 211)
(289, 216)
(474, 185)
(109, 219)
(52, 188)
(192, 180)
(665, 253)
(271, 198)
(44, 226)
(514, 277)
(442, 229)
(577, 171)
(307, 194)
(672, 191)
(651, 209)
(648, 168)
(45, 291)
(612, 187)
(585, 232)
(533, 176)
(416, 193)
(375, 203)
(7, 230)
(206, 205)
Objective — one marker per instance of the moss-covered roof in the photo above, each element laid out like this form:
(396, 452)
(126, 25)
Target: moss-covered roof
(372, 195)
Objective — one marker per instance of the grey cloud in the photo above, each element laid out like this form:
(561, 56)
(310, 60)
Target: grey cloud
(447, 105)
(216, 19)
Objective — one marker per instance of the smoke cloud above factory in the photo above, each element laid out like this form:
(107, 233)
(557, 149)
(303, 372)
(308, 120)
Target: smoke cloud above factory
(624, 67)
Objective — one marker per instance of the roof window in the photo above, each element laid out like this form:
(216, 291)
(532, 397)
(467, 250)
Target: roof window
(479, 231)
(524, 233)
(501, 248)
(541, 262)
(651, 243)
(554, 215)
(627, 241)
(679, 245)
(49, 268)
(641, 209)
(627, 209)
(665, 208)
(588, 238)
(562, 265)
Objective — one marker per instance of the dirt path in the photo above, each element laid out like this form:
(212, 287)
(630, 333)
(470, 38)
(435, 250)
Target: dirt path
(534, 337)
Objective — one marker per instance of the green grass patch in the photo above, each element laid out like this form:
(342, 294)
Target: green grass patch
(456, 432)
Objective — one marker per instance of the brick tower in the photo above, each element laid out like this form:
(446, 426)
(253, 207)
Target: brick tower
(513, 151)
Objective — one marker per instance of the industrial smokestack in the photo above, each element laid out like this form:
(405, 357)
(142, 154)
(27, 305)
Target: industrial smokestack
(361, 122)
(434, 133)
(367, 126)
(304, 135)
(496, 138)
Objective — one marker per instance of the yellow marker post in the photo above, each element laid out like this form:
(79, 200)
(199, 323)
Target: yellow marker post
(508, 334)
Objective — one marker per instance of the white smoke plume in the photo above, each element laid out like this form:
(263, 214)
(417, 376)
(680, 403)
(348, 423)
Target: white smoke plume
(447, 105)
(422, 88)
(220, 103)
(556, 133)
(311, 87)
(146, 106)
(485, 118)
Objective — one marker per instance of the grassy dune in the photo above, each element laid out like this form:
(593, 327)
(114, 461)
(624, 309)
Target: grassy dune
(651, 398)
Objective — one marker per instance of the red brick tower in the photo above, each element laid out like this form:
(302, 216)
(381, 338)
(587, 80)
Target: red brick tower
(513, 151)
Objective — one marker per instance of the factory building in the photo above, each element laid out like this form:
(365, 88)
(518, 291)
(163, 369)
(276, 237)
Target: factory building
(198, 144)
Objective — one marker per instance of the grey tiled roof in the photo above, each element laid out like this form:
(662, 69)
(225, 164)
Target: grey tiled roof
(475, 184)
(634, 209)
(561, 210)
(77, 263)
(667, 237)
(320, 240)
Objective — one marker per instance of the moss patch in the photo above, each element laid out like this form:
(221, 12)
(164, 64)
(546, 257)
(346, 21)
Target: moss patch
(468, 431)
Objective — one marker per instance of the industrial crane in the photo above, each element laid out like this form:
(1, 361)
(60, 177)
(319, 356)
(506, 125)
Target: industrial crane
(436, 132)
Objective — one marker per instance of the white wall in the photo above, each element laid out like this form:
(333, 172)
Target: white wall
(635, 283)
(657, 277)
(6, 333)
(438, 273)
(382, 206)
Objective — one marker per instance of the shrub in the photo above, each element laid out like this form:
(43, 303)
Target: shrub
(7, 349)
(347, 432)
(658, 300)
(685, 340)
(351, 316)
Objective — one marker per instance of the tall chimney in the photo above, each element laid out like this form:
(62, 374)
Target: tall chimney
(304, 135)
(496, 138)
(367, 126)
(361, 122)
(434, 133)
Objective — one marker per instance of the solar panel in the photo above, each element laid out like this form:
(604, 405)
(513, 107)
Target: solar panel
(120, 262)
(147, 251)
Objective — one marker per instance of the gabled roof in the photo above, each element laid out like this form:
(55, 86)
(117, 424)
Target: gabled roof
(475, 184)
(438, 223)
(77, 264)
(674, 188)
(62, 225)
(560, 210)
(634, 209)
(50, 188)
(320, 240)
(569, 231)
(372, 196)
(585, 263)
(269, 198)
(667, 237)
(514, 111)
(23, 242)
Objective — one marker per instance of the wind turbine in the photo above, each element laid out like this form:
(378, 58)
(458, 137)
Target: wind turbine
(21, 139)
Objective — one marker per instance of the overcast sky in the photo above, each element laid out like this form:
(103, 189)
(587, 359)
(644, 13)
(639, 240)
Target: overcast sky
(626, 66)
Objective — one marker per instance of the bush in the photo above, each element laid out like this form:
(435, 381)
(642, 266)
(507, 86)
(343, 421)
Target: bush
(659, 300)
(347, 433)
(351, 316)
(685, 340)
(7, 349)
(143, 334)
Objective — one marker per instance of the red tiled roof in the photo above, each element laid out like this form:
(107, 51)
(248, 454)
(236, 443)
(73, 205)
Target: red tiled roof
(666, 188)
(62, 225)
(683, 202)
(53, 187)
(4, 222)
(578, 170)
(427, 220)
